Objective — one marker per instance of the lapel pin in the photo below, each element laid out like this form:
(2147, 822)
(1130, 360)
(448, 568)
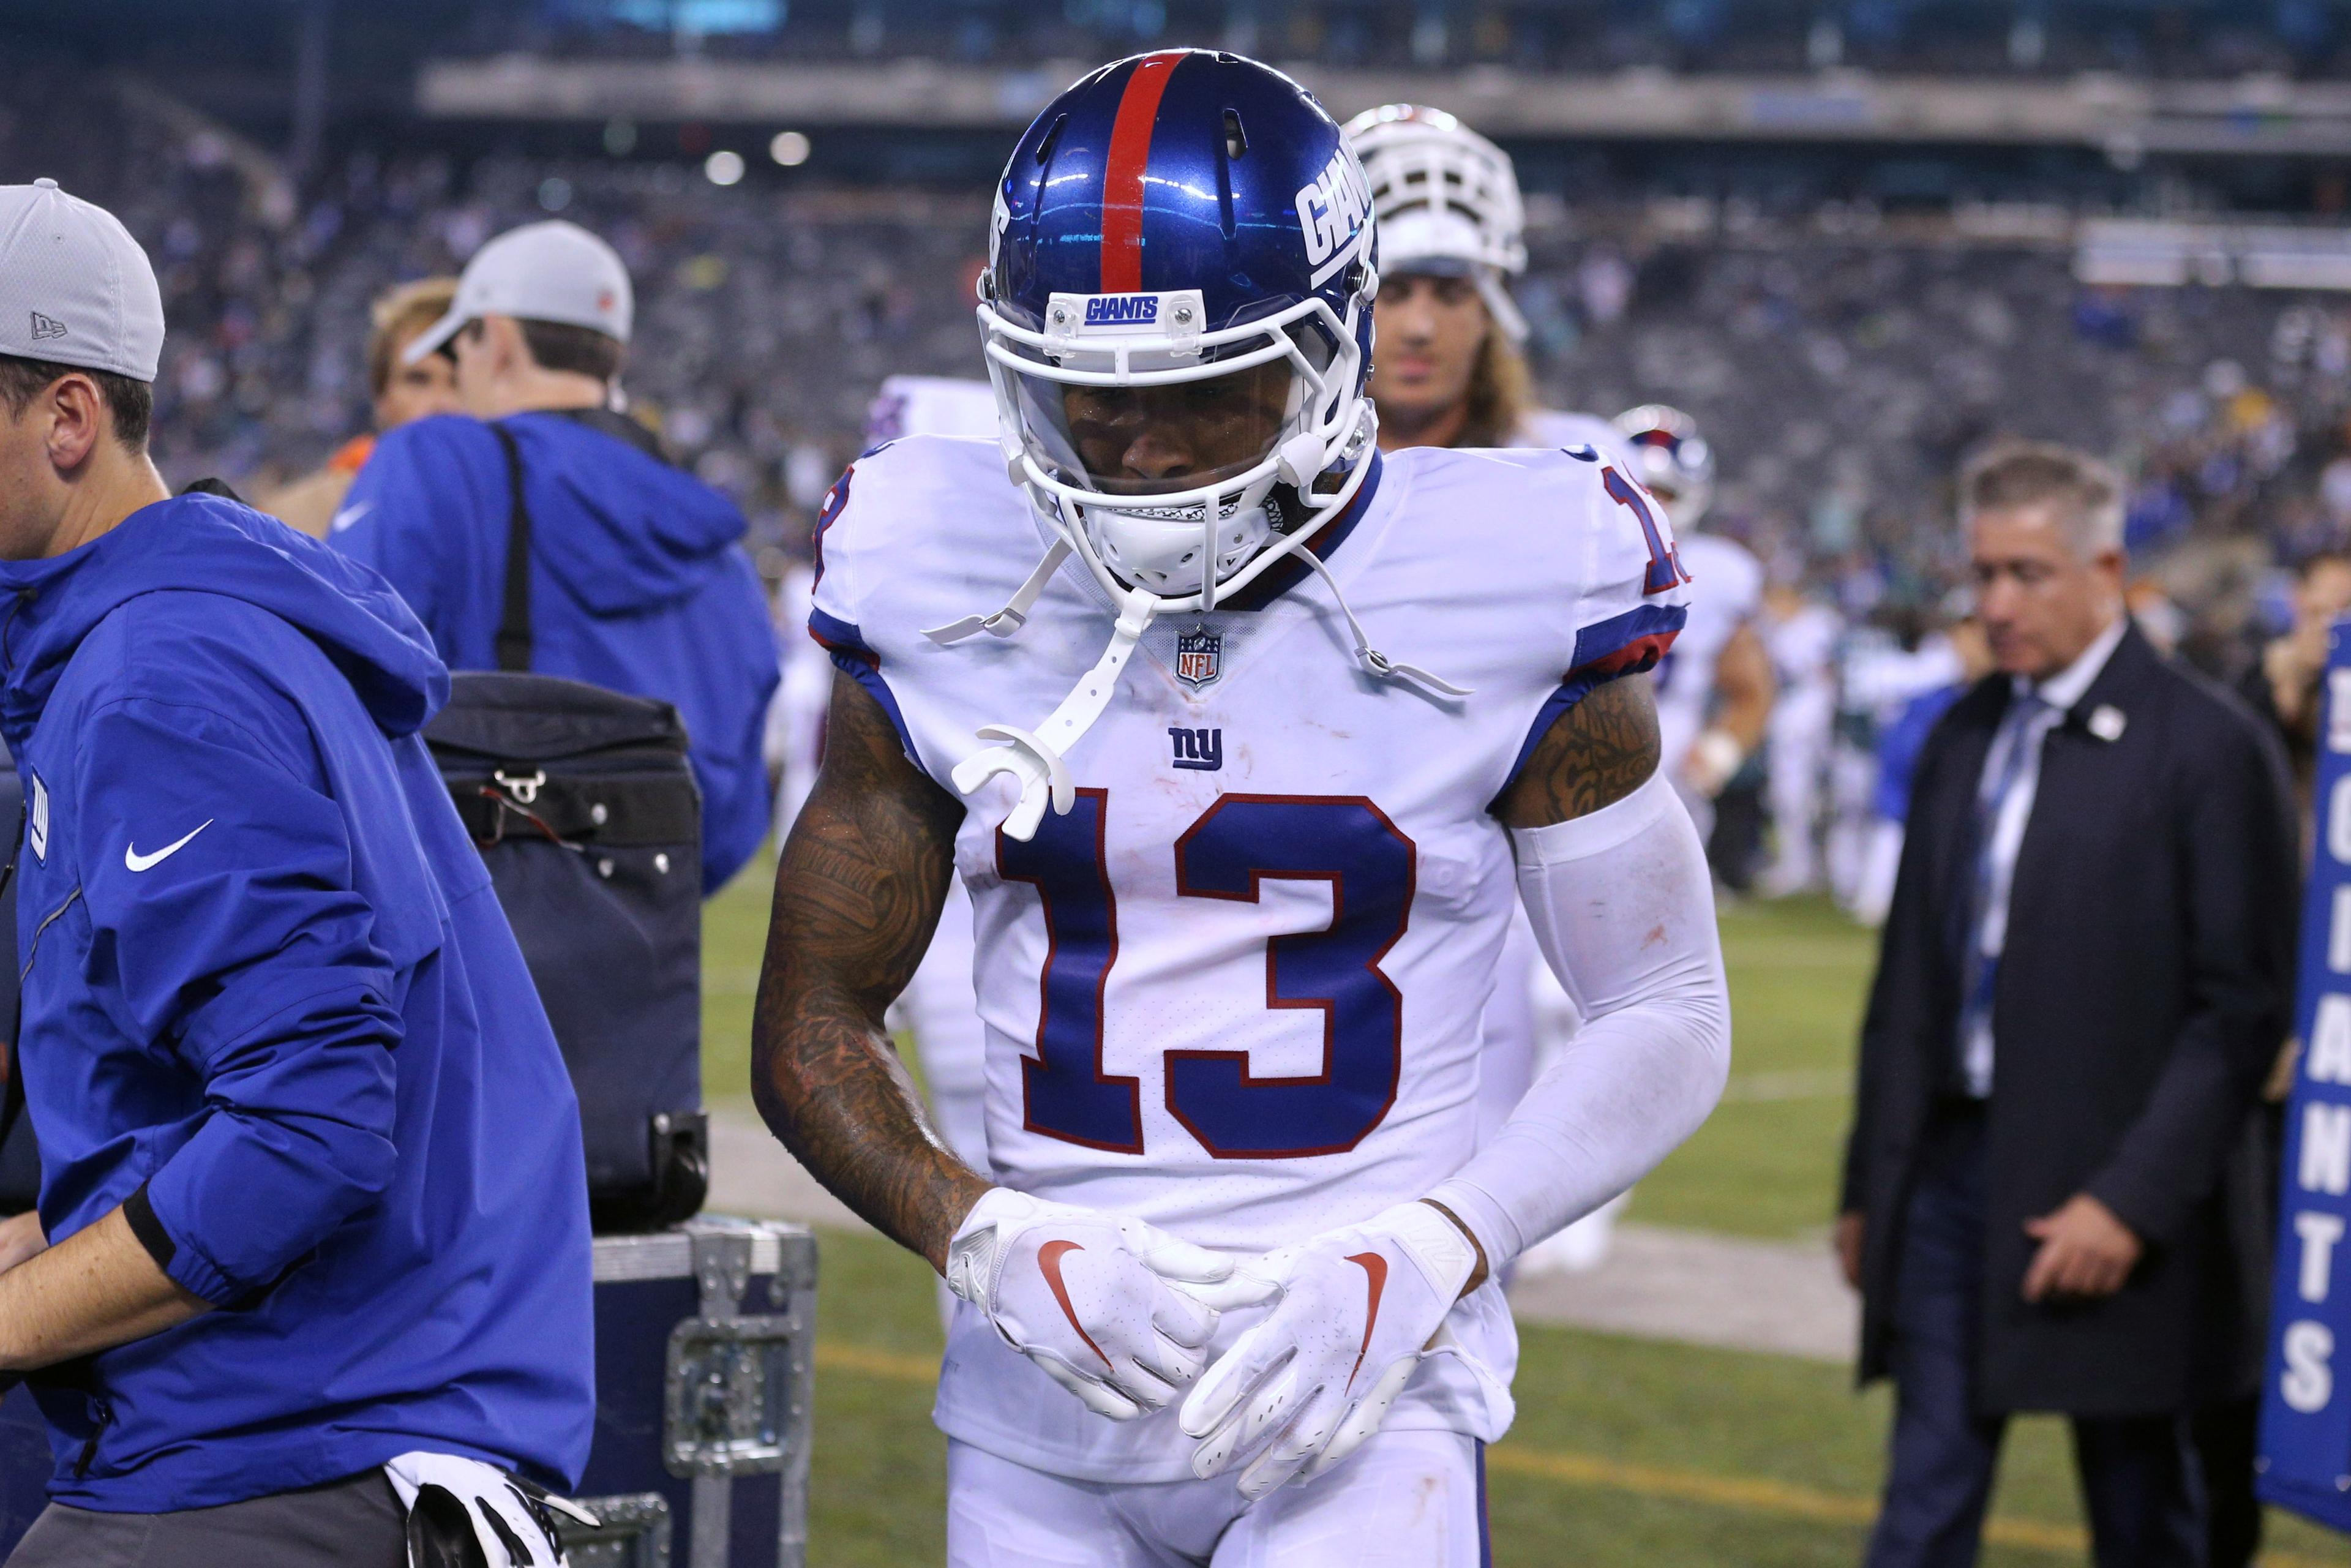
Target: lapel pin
(2106, 722)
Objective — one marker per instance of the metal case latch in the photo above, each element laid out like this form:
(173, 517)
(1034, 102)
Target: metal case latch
(729, 1383)
(634, 1531)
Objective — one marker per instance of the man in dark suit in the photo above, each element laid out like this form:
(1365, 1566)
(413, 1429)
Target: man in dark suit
(2051, 1191)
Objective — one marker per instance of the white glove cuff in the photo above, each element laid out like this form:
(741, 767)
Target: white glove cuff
(1445, 1255)
(976, 1252)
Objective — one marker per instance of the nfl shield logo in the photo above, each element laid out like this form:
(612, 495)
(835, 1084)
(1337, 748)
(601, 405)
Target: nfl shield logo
(1199, 657)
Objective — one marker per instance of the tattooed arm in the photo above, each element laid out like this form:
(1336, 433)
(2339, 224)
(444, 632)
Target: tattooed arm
(1615, 885)
(857, 894)
(1594, 754)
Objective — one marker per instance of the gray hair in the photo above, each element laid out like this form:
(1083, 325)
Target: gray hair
(2087, 494)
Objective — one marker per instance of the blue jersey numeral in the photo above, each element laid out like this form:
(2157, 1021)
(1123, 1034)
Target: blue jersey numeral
(1235, 846)
(1062, 1087)
(1665, 569)
(1349, 843)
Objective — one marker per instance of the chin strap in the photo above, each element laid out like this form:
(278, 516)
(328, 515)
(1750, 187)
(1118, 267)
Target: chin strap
(1035, 759)
(1015, 613)
(1371, 658)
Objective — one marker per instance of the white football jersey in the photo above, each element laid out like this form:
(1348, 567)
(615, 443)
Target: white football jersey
(1726, 592)
(1236, 990)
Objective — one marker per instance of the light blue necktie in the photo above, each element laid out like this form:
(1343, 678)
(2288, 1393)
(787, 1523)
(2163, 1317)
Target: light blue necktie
(2014, 742)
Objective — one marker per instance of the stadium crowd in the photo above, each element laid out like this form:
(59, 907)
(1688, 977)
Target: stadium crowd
(1840, 361)
(1730, 35)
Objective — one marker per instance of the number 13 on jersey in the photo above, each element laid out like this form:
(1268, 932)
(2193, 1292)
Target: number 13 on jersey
(1229, 852)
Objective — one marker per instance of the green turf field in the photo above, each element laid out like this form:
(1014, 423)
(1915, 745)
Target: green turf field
(1627, 1454)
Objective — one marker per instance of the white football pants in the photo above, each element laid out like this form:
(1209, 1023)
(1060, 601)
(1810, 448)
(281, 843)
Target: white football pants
(1404, 1500)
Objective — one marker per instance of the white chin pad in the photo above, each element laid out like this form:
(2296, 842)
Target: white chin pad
(1166, 549)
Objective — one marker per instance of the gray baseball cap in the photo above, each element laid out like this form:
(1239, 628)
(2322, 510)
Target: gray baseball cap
(550, 271)
(75, 287)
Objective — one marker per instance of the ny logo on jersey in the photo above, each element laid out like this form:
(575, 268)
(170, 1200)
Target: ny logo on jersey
(1201, 751)
(1199, 657)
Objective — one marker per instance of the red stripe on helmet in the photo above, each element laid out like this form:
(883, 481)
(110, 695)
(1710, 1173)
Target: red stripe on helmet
(1130, 153)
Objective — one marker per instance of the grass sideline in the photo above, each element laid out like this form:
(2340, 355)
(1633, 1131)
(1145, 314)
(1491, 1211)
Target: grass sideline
(1627, 1454)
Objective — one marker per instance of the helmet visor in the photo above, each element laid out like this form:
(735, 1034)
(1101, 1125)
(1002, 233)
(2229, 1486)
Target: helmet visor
(1160, 437)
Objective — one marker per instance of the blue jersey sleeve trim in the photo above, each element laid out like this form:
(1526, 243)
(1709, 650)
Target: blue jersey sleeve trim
(854, 658)
(1623, 644)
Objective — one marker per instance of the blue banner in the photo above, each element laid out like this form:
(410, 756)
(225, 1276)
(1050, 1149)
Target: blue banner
(2306, 1440)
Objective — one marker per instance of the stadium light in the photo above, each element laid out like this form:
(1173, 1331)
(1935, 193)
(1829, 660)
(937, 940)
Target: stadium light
(789, 147)
(723, 167)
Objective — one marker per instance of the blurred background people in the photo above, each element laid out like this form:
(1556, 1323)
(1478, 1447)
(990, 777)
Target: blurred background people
(2082, 984)
(1801, 633)
(1715, 686)
(1900, 743)
(2283, 684)
(634, 573)
(400, 390)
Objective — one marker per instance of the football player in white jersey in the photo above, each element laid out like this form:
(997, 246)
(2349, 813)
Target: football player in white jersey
(1238, 877)
(1715, 689)
(1451, 373)
(1452, 235)
(1802, 636)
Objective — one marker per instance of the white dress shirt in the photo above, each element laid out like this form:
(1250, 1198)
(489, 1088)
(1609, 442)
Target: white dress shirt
(2039, 707)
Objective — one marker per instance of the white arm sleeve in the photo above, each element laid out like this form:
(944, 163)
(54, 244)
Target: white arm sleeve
(1622, 907)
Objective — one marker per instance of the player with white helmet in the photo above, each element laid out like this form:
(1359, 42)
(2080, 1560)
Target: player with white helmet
(1451, 373)
(1239, 877)
(1715, 690)
(1452, 235)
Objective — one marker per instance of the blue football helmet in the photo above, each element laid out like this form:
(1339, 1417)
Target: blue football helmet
(1179, 325)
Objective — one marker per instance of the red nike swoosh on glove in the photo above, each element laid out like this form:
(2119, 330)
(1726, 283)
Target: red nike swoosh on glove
(1375, 1272)
(1049, 1261)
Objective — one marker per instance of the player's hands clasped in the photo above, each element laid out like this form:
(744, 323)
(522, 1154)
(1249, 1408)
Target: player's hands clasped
(1117, 1311)
(1302, 1390)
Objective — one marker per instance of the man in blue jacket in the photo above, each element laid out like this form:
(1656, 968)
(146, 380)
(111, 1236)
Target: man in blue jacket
(634, 574)
(310, 1164)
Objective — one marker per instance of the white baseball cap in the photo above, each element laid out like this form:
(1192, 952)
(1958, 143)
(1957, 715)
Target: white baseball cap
(550, 271)
(75, 287)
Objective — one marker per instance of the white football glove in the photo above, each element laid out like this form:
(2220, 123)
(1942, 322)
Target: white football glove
(456, 1503)
(1359, 1308)
(1115, 1311)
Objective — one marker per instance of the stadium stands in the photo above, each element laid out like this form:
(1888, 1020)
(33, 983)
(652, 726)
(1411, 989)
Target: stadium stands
(1839, 356)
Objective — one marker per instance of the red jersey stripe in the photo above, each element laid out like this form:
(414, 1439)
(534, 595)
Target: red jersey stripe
(1123, 168)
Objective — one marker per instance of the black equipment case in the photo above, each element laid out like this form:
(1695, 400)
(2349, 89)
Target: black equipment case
(586, 812)
(704, 1376)
(706, 1338)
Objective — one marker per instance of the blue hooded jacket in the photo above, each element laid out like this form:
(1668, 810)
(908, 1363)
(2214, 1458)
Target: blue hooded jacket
(271, 1003)
(639, 583)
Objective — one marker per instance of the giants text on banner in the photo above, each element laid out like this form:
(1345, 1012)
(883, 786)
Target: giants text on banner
(2306, 1436)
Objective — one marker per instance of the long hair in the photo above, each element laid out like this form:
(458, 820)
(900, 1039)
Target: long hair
(1499, 391)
